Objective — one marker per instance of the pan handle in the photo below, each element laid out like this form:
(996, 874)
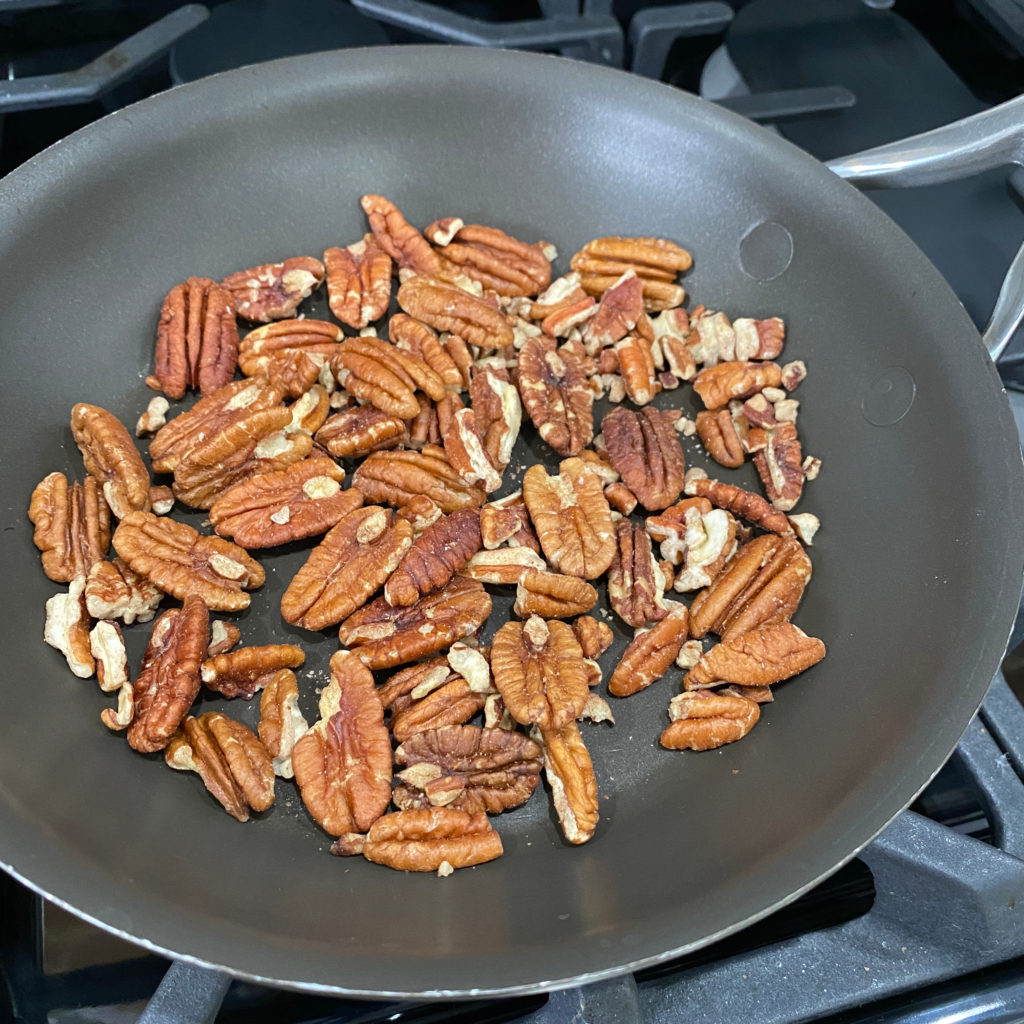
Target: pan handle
(981, 142)
(188, 994)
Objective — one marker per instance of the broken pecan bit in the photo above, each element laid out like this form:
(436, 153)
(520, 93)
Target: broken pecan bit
(161, 500)
(228, 757)
(448, 308)
(552, 595)
(355, 557)
(650, 653)
(743, 503)
(398, 238)
(168, 680)
(180, 562)
(196, 339)
(656, 261)
(114, 591)
(497, 412)
(72, 526)
(396, 478)
(248, 669)
(704, 721)
(806, 526)
(636, 365)
(507, 524)
(709, 540)
(107, 646)
(504, 565)
(498, 261)
(618, 313)
(411, 336)
(223, 637)
(717, 432)
(309, 410)
(643, 447)
(358, 282)
(153, 418)
(468, 768)
(538, 670)
(420, 513)
(384, 636)
(383, 375)
(594, 637)
(793, 373)
(779, 464)
(109, 454)
(570, 774)
(360, 430)
(290, 352)
(429, 695)
(620, 497)
(757, 657)
(273, 291)
(718, 384)
(760, 585)
(67, 628)
(464, 448)
(274, 508)
(758, 694)
(343, 764)
(635, 580)
(554, 389)
(564, 320)
(571, 516)
(759, 339)
(436, 839)
(597, 709)
(712, 339)
(281, 722)
(434, 557)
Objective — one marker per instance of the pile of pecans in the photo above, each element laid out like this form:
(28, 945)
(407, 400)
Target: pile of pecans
(428, 407)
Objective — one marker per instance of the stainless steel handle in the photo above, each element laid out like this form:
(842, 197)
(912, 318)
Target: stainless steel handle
(993, 138)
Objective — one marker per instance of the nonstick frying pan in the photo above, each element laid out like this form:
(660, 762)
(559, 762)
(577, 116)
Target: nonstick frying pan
(917, 567)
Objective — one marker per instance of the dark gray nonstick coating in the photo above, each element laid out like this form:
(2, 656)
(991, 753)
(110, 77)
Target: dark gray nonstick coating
(917, 568)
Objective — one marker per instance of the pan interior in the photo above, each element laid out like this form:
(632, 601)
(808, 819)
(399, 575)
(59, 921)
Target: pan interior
(917, 566)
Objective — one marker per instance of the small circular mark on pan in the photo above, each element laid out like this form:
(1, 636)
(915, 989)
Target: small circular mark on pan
(766, 251)
(889, 397)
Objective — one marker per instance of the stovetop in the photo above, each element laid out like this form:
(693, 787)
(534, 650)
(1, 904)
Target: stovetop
(921, 926)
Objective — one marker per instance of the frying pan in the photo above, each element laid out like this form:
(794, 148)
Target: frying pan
(917, 567)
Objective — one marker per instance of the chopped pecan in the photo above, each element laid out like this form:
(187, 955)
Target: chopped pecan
(643, 447)
(594, 637)
(718, 384)
(161, 500)
(563, 291)
(805, 525)
(597, 709)
(180, 562)
(290, 352)
(196, 339)
(309, 410)
(412, 336)
(303, 500)
(793, 373)
(656, 261)
(636, 364)
(360, 430)
(570, 774)
(248, 669)
(358, 282)
(273, 291)
(168, 680)
(420, 513)
(228, 757)
(708, 540)
(109, 454)
(114, 591)
(503, 565)
(704, 721)
(343, 764)
(72, 526)
(223, 637)
(717, 431)
(618, 313)
(448, 308)
(552, 595)
(743, 503)
(757, 657)
(711, 339)
(554, 389)
(107, 645)
(497, 413)
(281, 722)
(538, 670)
(564, 320)
(507, 524)
(67, 628)
(669, 527)
(620, 497)
(153, 418)
(468, 768)
(386, 636)
(398, 238)
(758, 339)
(355, 557)
(779, 464)
(498, 261)
(650, 653)
(383, 375)
(760, 585)
(635, 580)
(396, 478)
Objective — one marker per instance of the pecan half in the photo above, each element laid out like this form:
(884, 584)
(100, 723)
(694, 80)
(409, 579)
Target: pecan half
(757, 657)
(181, 563)
(538, 670)
(114, 591)
(594, 637)
(498, 261)
(448, 308)
(468, 768)
(168, 680)
(554, 389)
(355, 557)
(412, 336)
(650, 653)
(743, 503)
(196, 339)
(397, 478)
(358, 282)
(644, 449)
(273, 291)
(571, 516)
(717, 432)
(656, 261)
(636, 365)
(281, 722)
(480, 440)
(343, 764)
(780, 466)
(430, 695)
(503, 566)
(384, 636)
(619, 311)
(704, 721)
(67, 628)
(635, 580)
(360, 430)
(552, 595)
(244, 671)
(718, 384)
(398, 238)
(109, 454)
(72, 525)
(383, 375)
(290, 352)
(231, 761)
(570, 774)
(274, 508)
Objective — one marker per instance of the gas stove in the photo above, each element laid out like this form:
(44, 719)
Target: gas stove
(921, 926)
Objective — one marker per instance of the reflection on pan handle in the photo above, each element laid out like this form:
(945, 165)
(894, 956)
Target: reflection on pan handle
(188, 994)
(993, 138)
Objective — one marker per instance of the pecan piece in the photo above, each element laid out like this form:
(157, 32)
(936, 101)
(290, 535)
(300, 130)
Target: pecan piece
(107, 646)
(248, 669)
(223, 637)
(570, 774)
(448, 308)
(67, 628)
(656, 261)
(290, 352)
(430, 695)
(619, 311)
(759, 339)
(355, 557)
(650, 653)
(383, 375)
(343, 764)
(181, 562)
(468, 768)
(273, 291)
(398, 238)
(644, 449)
(552, 595)
(498, 261)
(635, 580)
(228, 757)
(571, 517)
(358, 282)
(594, 637)
(479, 441)
(780, 466)
(504, 566)
(153, 418)
(72, 526)
(636, 364)
(554, 389)
(397, 478)
(412, 336)
(620, 497)
(196, 339)
(274, 508)
(168, 680)
(704, 721)
(507, 524)
(114, 591)
(386, 636)
(109, 454)
(716, 385)
(717, 432)
(281, 722)
(743, 503)
(757, 657)
(360, 430)
(708, 540)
